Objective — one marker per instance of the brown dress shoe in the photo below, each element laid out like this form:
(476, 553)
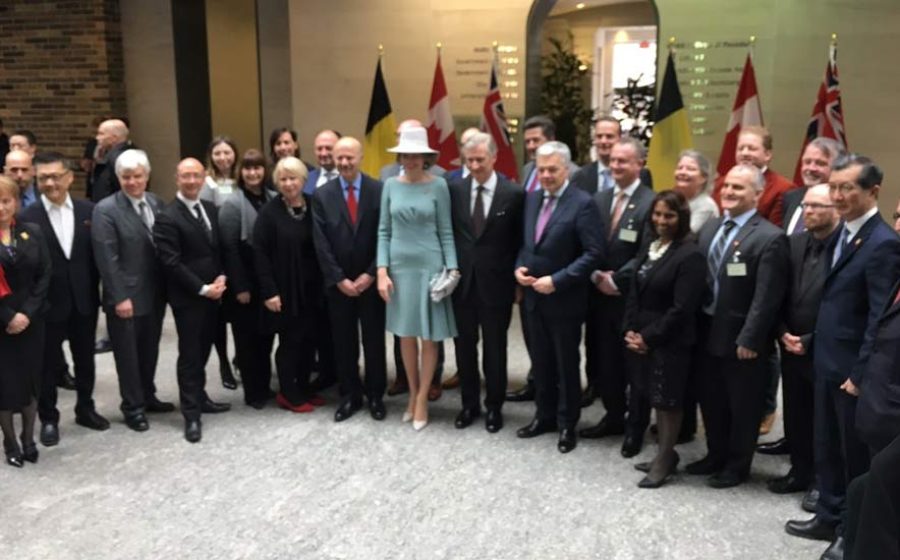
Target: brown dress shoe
(766, 425)
(451, 383)
(435, 392)
(398, 387)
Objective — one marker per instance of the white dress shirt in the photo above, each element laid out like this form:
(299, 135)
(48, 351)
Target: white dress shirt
(487, 195)
(325, 176)
(62, 219)
(191, 204)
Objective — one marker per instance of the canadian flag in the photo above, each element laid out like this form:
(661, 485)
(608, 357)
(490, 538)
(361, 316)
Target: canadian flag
(746, 112)
(441, 132)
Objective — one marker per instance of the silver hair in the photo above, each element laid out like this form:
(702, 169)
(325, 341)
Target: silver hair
(638, 146)
(555, 148)
(701, 162)
(759, 181)
(481, 139)
(130, 160)
(828, 146)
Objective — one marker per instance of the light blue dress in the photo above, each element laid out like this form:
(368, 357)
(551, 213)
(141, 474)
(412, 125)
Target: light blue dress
(415, 241)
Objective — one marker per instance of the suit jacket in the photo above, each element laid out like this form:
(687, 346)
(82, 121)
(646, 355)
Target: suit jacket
(393, 170)
(27, 274)
(190, 256)
(791, 201)
(746, 312)
(74, 285)
(771, 202)
(487, 261)
(801, 304)
(310, 186)
(620, 254)
(104, 181)
(125, 254)
(662, 304)
(856, 290)
(571, 247)
(346, 250)
(528, 168)
(587, 178)
(878, 410)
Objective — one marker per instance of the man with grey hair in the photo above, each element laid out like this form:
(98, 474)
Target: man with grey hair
(112, 140)
(563, 242)
(815, 168)
(748, 269)
(487, 230)
(133, 294)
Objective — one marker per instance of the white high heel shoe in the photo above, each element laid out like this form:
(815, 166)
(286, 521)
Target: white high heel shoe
(419, 425)
(407, 416)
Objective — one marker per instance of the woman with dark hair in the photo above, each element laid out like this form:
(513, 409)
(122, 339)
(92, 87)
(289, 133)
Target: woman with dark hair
(25, 271)
(221, 160)
(283, 143)
(253, 348)
(659, 327)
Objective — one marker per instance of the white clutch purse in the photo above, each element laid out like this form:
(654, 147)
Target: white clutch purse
(442, 284)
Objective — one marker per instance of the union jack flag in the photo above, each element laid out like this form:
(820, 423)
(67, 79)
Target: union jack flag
(493, 121)
(828, 114)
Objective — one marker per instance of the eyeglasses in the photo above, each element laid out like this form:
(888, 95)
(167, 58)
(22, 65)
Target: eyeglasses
(815, 206)
(55, 177)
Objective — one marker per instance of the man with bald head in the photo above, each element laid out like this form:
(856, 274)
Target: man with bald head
(324, 148)
(186, 233)
(19, 168)
(345, 228)
(112, 140)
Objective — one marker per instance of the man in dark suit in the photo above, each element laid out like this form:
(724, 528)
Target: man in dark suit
(327, 171)
(624, 212)
(563, 243)
(865, 263)
(597, 176)
(73, 294)
(19, 167)
(112, 141)
(133, 290)
(461, 172)
(748, 269)
(487, 229)
(798, 323)
(186, 233)
(345, 227)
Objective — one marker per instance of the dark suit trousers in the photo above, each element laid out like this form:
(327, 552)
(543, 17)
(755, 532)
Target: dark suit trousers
(840, 455)
(493, 322)
(135, 344)
(196, 327)
(732, 401)
(609, 347)
(873, 509)
(253, 350)
(797, 384)
(79, 330)
(555, 361)
(349, 315)
(294, 361)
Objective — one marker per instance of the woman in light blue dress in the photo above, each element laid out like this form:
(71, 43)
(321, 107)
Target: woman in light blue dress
(415, 243)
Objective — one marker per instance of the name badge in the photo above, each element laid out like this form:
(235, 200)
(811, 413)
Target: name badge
(736, 269)
(225, 189)
(628, 235)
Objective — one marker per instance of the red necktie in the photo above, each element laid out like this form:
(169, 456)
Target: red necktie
(351, 203)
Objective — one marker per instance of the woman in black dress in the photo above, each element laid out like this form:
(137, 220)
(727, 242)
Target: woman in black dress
(659, 324)
(290, 284)
(24, 280)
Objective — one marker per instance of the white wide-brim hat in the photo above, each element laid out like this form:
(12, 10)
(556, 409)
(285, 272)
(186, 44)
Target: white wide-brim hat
(413, 140)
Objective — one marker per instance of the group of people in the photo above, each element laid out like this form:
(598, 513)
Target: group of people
(695, 294)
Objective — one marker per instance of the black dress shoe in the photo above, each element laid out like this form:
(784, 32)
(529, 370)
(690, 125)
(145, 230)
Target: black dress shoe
(228, 380)
(346, 410)
(92, 420)
(158, 406)
(102, 346)
(813, 528)
(376, 409)
(567, 441)
(649, 483)
(321, 383)
(643, 467)
(778, 447)
(536, 428)
(725, 479)
(137, 422)
(66, 381)
(465, 418)
(257, 404)
(30, 452)
(211, 407)
(631, 446)
(788, 484)
(49, 434)
(493, 422)
(192, 431)
(606, 427)
(705, 466)
(14, 456)
(835, 550)
(810, 500)
(588, 396)
(524, 394)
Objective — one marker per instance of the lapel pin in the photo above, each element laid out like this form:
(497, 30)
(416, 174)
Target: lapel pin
(857, 242)
(24, 235)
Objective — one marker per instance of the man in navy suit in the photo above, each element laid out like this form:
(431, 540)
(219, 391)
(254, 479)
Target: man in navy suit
(345, 228)
(324, 148)
(865, 263)
(73, 295)
(563, 243)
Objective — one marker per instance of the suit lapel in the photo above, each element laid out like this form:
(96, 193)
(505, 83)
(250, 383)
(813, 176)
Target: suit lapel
(855, 244)
(47, 226)
(660, 264)
(557, 211)
(735, 244)
(631, 209)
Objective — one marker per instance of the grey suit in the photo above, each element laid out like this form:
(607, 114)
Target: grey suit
(129, 270)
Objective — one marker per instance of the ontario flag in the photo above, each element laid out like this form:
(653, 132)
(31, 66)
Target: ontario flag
(441, 132)
(493, 121)
(828, 113)
(746, 112)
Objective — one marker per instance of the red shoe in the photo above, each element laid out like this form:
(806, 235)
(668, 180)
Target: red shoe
(316, 400)
(286, 404)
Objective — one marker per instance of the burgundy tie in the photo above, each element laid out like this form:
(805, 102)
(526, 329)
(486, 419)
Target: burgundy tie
(351, 203)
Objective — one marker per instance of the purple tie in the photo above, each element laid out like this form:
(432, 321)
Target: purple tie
(533, 184)
(799, 226)
(544, 217)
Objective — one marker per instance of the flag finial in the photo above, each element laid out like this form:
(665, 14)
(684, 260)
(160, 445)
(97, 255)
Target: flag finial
(380, 50)
(834, 38)
(752, 40)
(439, 45)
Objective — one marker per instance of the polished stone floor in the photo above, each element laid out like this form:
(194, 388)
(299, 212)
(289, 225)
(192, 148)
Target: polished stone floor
(272, 484)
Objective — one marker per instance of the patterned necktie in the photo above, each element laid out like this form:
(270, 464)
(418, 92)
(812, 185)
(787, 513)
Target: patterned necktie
(478, 211)
(544, 217)
(351, 203)
(618, 210)
(718, 251)
(145, 215)
(841, 245)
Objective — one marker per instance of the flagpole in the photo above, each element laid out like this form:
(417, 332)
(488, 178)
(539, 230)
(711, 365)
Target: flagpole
(752, 44)
(832, 49)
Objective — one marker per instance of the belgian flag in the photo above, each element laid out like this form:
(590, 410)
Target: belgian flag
(381, 129)
(671, 133)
